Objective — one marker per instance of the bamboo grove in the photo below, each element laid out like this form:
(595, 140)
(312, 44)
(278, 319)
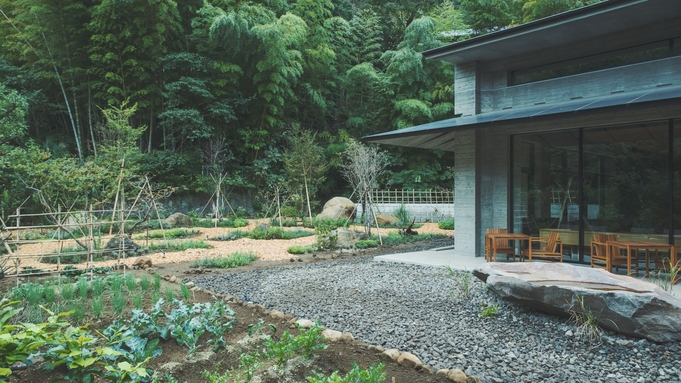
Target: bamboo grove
(95, 90)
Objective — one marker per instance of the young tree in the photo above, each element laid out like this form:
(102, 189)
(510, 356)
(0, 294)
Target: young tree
(305, 163)
(362, 166)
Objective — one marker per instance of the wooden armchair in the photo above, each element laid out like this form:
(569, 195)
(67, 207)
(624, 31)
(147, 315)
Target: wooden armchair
(599, 251)
(549, 247)
(502, 246)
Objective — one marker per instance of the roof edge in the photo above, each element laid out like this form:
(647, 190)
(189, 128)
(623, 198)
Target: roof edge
(536, 25)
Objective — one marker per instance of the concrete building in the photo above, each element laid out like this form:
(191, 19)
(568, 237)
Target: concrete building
(568, 123)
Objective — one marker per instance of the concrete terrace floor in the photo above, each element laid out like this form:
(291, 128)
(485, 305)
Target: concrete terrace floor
(444, 257)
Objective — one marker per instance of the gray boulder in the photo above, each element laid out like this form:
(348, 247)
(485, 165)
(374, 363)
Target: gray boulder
(346, 238)
(121, 244)
(620, 303)
(177, 220)
(337, 207)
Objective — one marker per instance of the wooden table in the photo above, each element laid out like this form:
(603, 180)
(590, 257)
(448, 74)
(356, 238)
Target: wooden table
(636, 246)
(493, 239)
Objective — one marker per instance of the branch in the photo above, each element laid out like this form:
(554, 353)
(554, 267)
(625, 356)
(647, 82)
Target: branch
(47, 206)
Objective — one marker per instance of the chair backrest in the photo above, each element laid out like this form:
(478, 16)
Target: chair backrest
(600, 240)
(496, 230)
(552, 242)
(603, 238)
(500, 243)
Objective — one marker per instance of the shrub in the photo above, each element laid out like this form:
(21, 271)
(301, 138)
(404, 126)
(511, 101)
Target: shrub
(229, 236)
(366, 243)
(403, 214)
(446, 224)
(298, 249)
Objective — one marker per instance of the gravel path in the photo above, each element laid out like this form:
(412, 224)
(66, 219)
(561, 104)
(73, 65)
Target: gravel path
(411, 308)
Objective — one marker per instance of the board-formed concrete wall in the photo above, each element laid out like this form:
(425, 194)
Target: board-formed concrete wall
(465, 216)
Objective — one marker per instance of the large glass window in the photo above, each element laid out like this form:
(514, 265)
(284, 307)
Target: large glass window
(546, 185)
(677, 183)
(620, 186)
(626, 187)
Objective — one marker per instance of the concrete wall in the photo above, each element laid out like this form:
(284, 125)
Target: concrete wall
(493, 169)
(466, 89)
(465, 216)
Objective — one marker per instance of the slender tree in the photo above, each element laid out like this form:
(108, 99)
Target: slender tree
(305, 164)
(362, 166)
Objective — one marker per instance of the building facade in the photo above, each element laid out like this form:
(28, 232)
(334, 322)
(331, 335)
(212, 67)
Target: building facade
(568, 123)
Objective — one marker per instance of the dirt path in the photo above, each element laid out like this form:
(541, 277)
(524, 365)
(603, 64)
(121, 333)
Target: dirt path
(272, 250)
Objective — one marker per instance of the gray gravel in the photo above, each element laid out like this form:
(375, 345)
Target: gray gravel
(412, 308)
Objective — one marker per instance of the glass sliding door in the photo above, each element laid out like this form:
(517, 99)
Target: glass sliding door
(677, 183)
(626, 182)
(546, 185)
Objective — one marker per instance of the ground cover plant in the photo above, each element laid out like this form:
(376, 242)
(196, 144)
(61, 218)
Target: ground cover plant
(178, 245)
(269, 233)
(172, 233)
(231, 261)
(226, 222)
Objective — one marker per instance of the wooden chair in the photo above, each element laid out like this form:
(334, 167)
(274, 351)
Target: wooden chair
(502, 246)
(599, 251)
(549, 247)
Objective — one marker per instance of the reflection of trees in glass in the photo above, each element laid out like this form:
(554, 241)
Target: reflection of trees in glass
(629, 181)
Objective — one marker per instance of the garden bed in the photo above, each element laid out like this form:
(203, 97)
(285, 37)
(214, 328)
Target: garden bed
(249, 319)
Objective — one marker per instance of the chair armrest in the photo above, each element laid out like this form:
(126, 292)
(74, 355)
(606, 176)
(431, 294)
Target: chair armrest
(538, 240)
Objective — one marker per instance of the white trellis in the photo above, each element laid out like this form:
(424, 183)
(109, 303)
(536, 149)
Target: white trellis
(424, 205)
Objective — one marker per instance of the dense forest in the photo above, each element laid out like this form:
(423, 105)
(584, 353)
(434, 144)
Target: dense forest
(243, 93)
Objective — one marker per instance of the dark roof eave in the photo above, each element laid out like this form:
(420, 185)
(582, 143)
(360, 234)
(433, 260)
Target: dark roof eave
(436, 135)
(549, 28)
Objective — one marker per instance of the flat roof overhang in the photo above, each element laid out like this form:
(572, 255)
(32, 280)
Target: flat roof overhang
(440, 135)
(572, 26)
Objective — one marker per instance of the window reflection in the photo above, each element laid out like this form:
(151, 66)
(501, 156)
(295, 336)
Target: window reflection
(624, 184)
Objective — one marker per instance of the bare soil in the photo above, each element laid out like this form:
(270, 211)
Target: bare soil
(339, 356)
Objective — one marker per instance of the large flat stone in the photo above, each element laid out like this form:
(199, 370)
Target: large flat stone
(623, 304)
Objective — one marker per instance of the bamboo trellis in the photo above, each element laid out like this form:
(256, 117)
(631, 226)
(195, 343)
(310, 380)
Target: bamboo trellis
(83, 230)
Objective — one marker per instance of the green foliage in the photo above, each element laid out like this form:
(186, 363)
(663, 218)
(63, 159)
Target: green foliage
(374, 374)
(19, 341)
(173, 233)
(298, 249)
(446, 224)
(489, 15)
(667, 276)
(230, 236)
(305, 343)
(393, 238)
(231, 261)
(463, 282)
(537, 9)
(225, 222)
(179, 245)
(489, 311)
(403, 214)
(366, 243)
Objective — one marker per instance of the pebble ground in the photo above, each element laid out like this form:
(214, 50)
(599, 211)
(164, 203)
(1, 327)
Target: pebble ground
(426, 311)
